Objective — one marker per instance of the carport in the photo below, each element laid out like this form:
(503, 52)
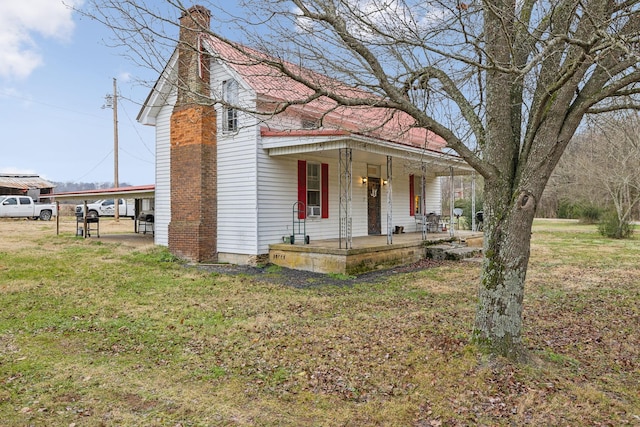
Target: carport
(138, 193)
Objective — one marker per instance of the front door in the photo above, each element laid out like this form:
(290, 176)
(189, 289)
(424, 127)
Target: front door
(374, 193)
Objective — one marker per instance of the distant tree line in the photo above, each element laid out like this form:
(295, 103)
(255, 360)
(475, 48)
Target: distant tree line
(65, 187)
(596, 181)
(598, 178)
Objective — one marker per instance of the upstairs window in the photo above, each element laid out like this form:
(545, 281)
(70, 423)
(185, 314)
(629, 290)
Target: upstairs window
(308, 122)
(230, 91)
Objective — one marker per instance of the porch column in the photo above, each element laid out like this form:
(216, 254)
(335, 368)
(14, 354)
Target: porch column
(473, 201)
(452, 201)
(423, 200)
(389, 200)
(344, 205)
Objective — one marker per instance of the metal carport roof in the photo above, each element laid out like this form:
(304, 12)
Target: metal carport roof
(23, 182)
(134, 192)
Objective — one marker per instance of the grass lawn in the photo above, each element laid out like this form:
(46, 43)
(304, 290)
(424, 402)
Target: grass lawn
(102, 334)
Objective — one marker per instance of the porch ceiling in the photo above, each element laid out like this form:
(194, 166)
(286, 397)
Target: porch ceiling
(365, 149)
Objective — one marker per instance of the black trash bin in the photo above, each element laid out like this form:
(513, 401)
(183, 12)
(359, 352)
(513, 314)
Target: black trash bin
(479, 220)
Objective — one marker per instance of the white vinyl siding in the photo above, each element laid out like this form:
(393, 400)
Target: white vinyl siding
(237, 175)
(433, 198)
(278, 191)
(163, 175)
(360, 224)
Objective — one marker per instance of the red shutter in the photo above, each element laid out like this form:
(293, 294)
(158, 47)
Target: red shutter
(412, 194)
(324, 190)
(302, 187)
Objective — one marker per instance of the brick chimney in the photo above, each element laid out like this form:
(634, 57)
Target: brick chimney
(193, 226)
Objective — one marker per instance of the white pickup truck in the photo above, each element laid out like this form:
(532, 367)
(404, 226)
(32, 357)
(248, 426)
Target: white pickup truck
(25, 207)
(106, 208)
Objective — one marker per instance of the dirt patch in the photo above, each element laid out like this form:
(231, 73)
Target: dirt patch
(19, 233)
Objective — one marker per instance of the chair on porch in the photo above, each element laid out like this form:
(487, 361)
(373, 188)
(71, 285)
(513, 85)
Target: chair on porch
(427, 223)
(433, 222)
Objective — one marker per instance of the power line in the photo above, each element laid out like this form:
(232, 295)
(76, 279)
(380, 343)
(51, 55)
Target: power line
(58, 107)
(135, 128)
(95, 167)
(135, 157)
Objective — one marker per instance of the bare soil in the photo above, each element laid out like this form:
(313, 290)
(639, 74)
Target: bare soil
(20, 232)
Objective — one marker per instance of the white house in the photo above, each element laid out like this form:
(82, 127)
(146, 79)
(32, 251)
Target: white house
(231, 182)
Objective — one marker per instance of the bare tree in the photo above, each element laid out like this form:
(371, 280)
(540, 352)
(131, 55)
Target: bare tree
(602, 165)
(504, 83)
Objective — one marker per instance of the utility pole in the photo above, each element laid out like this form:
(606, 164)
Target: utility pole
(111, 101)
(116, 184)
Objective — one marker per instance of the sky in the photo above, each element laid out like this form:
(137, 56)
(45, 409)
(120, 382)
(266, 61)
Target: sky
(56, 67)
(55, 71)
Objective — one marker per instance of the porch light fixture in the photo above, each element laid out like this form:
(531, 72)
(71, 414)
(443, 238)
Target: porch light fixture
(364, 179)
(385, 182)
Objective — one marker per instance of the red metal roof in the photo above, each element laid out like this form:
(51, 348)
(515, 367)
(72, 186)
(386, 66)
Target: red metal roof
(274, 87)
(303, 132)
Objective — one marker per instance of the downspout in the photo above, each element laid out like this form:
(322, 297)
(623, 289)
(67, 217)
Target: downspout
(451, 202)
(473, 201)
(423, 200)
(389, 200)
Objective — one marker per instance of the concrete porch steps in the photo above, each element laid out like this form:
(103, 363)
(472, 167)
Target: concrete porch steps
(452, 252)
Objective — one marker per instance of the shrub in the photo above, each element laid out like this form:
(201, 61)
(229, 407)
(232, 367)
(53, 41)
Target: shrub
(589, 214)
(611, 226)
(586, 213)
(567, 209)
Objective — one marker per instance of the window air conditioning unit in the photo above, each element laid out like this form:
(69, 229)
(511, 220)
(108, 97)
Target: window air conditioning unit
(313, 211)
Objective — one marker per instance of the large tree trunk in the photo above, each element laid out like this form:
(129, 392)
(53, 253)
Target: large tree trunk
(498, 324)
(508, 220)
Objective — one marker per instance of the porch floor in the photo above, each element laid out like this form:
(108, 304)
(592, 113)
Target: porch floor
(367, 252)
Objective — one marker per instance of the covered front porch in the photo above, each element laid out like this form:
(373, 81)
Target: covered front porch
(369, 253)
(383, 188)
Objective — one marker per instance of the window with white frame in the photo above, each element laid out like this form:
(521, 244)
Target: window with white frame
(308, 122)
(313, 189)
(230, 89)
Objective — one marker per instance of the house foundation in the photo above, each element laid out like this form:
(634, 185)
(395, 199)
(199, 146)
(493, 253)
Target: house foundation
(369, 254)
